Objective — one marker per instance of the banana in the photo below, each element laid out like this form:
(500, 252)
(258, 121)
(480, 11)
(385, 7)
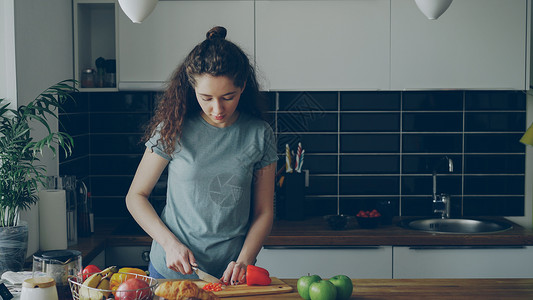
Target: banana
(92, 286)
(93, 280)
(86, 289)
(104, 285)
(109, 270)
(96, 295)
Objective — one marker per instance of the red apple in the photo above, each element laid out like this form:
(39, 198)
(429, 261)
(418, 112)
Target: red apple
(134, 289)
(89, 270)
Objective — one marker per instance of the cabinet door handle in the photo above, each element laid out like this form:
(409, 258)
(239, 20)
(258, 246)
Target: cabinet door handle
(464, 247)
(145, 256)
(324, 247)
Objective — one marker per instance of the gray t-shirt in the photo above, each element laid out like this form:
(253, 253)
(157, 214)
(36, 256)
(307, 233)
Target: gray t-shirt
(209, 189)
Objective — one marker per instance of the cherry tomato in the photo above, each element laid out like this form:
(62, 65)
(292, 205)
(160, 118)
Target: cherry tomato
(213, 287)
(368, 214)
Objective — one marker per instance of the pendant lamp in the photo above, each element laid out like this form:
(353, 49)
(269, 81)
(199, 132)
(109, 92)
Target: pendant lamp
(137, 10)
(433, 9)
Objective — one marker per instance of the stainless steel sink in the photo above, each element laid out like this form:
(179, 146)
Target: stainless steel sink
(458, 226)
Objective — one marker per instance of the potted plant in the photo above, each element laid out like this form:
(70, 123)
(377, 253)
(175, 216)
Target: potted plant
(20, 171)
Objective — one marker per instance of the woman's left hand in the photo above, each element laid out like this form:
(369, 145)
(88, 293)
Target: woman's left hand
(235, 273)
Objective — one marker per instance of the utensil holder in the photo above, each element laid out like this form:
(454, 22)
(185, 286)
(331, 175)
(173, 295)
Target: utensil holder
(294, 192)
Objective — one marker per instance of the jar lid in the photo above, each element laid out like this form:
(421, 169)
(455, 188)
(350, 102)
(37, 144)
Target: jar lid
(39, 282)
(57, 256)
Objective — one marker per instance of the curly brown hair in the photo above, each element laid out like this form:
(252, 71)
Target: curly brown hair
(215, 56)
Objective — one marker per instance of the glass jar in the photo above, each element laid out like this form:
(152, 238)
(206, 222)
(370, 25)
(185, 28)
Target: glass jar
(59, 265)
(87, 78)
(39, 288)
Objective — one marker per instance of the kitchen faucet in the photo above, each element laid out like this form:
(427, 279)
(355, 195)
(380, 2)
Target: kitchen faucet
(441, 203)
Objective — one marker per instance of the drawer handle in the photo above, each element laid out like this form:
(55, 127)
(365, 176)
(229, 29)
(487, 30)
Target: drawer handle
(324, 247)
(463, 247)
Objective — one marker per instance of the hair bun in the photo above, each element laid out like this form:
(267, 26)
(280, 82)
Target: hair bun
(217, 32)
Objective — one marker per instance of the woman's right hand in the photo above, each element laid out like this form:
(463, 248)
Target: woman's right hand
(180, 258)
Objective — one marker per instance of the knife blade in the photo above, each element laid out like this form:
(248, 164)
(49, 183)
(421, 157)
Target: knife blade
(205, 276)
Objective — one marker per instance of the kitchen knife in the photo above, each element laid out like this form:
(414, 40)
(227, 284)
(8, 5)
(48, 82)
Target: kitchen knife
(205, 276)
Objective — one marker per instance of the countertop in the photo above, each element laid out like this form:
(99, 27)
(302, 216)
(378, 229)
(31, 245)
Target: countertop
(312, 233)
(315, 232)
(434, 289)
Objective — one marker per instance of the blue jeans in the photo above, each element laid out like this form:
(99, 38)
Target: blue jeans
(156, 275)
(153, 272)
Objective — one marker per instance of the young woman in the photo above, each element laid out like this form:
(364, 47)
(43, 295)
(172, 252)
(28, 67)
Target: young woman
(221, 167)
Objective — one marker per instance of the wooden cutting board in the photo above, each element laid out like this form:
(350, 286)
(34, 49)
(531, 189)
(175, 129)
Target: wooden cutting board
(276, 287)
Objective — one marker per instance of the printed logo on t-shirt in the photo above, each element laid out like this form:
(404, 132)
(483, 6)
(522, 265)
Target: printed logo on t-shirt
(225, 189)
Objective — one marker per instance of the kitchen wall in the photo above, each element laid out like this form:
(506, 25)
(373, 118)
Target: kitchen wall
(36, 64)
(363, 149)
(8, 82)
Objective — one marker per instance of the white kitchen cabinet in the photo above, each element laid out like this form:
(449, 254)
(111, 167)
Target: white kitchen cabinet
(323, 45)
(149, 52)
(461, 262)
(94, 37)
(475, 44)
(354, 262)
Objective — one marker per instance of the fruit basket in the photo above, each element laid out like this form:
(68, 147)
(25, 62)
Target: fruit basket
(83, 292)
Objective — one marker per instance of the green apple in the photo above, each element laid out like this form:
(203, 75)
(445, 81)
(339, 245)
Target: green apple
(323, 290)
(344, 286)
(304, 283)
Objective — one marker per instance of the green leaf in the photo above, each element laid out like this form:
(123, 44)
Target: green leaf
(20, 171)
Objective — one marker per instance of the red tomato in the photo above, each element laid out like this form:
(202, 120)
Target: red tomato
(368, 214)
(88, 270)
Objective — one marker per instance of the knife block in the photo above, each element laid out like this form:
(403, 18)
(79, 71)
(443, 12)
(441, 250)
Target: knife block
(294, 195)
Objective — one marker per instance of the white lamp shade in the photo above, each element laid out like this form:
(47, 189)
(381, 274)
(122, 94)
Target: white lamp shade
(433, 9)
(137, 10)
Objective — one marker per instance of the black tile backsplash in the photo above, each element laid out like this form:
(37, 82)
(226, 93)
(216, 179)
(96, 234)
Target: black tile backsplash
(432, 121)
(107, 146)
(369, 164)
(493, 142)
(425, 163)
(307, 122)
(433, 101)
(432, 142)
(307, 101)
(369, 122)
(495, 100)
(370, 143)
(494, 164)
(494, 121)
(364, 150)
(369, 101)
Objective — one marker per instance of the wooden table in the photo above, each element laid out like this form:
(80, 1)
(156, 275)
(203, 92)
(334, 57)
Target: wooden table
(427, 289)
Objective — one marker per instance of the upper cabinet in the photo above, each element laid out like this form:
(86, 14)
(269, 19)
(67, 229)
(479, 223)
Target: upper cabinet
(95, 44)
(475, 44)
(323, 45)
(149, 52)
(320, 45)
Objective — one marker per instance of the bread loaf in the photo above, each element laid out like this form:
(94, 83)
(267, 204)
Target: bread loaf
(183, 290)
